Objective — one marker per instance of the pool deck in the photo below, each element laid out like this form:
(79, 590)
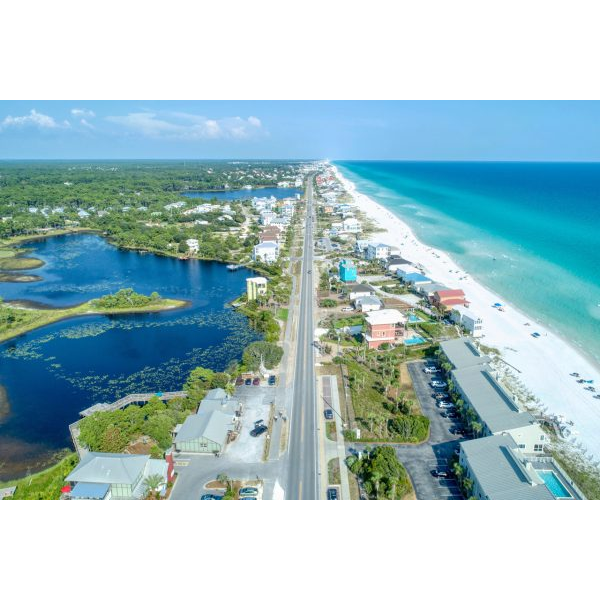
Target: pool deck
(547, 463)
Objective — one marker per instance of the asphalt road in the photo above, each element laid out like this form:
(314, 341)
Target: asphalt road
(303, 468)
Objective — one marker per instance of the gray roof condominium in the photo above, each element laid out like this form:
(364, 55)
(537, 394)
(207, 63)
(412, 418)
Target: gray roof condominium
(462, 352)
(494, 407)
(499, 471)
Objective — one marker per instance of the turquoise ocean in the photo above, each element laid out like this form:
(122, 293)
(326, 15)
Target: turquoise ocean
(528, 231)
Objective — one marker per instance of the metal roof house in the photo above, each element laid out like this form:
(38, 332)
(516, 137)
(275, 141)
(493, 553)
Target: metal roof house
(501, 471)
(105, 476)
(204, 433)
(414, 278)
(462, 352)
(368, 303)
(209, 429)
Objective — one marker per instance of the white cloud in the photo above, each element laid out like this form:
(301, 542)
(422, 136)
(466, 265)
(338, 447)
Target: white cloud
(82, 112)
(33, 118)
(86, 124)
(187, 126)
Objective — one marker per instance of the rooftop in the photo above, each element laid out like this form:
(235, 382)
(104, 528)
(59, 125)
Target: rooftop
(502, 471)
(212, 425)
(462, 353)
(101, 467)
(385, 317)
(361, 287)
(489, 399)
(449, 293)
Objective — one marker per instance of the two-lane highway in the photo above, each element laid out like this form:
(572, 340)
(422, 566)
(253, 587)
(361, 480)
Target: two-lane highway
(303, 467)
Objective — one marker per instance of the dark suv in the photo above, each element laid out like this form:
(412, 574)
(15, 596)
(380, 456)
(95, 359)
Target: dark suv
(332, 494)
(258, 430)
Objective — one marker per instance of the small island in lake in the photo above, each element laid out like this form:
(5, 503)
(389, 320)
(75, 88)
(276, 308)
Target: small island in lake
(17, 319)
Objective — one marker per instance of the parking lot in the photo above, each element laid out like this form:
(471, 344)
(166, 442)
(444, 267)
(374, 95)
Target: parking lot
(438, 450)
(257, 403)
(242, 459)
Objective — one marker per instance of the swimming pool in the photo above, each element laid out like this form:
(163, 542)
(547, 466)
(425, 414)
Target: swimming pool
(554, 484)
(414, 319)
(413, 341)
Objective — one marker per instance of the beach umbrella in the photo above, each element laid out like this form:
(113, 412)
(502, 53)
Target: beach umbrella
(66, 489)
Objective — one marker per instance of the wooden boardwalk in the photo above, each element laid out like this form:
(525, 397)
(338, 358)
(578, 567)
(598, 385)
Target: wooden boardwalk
(137, 399)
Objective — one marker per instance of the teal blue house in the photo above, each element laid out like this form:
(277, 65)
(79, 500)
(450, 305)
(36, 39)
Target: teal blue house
(347, 271)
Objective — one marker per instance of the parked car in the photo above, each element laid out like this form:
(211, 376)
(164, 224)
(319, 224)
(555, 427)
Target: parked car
(439, 384)
(458, 430)
(272, 380)
(431, 370)
(248, 498)
(258, 430)
(440, 474)
(441, 396)
(332, 494)
(443, 404)
(346, 309)
(248, 381)
(249, 491)
(328, 413)
(211, 497)
(256, 381)
(239, 381)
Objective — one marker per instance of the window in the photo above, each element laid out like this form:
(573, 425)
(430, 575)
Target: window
(522, 446)
(538, 447)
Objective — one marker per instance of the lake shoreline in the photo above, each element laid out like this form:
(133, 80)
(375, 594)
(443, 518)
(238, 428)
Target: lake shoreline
(173, 304)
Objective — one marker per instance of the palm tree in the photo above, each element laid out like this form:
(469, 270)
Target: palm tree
(153, 483)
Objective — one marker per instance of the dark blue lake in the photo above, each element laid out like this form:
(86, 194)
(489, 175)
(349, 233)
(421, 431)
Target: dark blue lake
(49, 375)
(277, 192)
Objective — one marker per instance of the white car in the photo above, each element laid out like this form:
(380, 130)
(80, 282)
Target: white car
(346, 309)
(439, 384)
(431, 370)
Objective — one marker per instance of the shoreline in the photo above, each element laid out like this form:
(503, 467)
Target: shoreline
(64, 314)
(543, 364)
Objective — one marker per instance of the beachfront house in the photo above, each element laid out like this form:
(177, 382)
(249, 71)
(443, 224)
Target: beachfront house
(360, 247)
(347, 270)
(351, 225)
(466, 318)
(111, 476)
(500, 470)
(428, 289)
(255, 287)
(445, 300)
(384, 327)
(377, 251)
(414, 279)
(368, 303)
(393, 264)
(360, 290)
(266, 252)
(404, 270)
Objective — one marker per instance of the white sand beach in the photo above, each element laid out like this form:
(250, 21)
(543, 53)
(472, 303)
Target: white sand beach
(541, 364)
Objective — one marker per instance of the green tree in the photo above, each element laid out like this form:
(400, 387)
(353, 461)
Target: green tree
(271, 355)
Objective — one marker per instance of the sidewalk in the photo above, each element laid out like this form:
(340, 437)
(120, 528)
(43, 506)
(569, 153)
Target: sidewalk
(329, 398)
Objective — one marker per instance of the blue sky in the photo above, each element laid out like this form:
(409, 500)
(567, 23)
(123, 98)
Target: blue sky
(432, 130)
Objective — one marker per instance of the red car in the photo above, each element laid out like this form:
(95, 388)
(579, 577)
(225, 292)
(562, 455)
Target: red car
(256, 381)
(239, 381)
